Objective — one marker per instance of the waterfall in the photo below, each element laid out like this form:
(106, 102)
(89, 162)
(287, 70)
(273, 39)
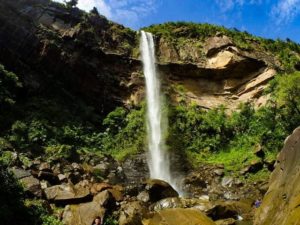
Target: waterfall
(158, 159)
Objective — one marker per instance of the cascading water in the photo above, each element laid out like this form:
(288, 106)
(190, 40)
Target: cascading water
(158, 160)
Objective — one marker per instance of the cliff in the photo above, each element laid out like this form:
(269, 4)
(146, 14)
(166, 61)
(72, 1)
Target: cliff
(94, 57)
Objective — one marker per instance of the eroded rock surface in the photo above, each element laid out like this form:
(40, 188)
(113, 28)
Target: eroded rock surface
(280, 205)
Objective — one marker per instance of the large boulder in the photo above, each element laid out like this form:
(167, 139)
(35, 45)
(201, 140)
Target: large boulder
(132, 213)
(179, 216)
(169, 203)
(32, 186)
(280, 205)
(67, 193)
(85, 213)
(158, 189)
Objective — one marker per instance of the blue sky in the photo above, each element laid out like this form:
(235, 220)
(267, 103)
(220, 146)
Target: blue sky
(266, 18)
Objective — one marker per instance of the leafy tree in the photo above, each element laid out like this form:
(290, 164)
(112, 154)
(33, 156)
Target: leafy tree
(287, 91)
(71, 3)
(9, 82)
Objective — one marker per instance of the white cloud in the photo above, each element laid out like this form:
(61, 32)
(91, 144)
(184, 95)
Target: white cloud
(127, 12)
(226, 5)
(285, 11)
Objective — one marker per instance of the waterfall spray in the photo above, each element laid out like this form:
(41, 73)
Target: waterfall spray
(158, 160)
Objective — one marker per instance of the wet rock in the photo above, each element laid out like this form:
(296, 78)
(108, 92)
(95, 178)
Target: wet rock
(132, 213)
(178, 216)
(135, 168)
(159, 189)
(201, 204)
(32, 186)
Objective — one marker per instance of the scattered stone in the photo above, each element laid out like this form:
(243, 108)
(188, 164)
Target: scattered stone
(77, 167)
(32, 186)
(67, 193)
(227, 181)
(143, 196)
(20, 173)
(48, 176)
(219, 172)
(74, 178)
(45, 167)
(62, 177)
(101, 169)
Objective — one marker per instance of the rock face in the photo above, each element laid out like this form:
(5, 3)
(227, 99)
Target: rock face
(94, 58)
(280, 205)
(179, 216)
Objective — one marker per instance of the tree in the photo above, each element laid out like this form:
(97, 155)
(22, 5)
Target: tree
(95, 11)
(71, 3)
(287, 91)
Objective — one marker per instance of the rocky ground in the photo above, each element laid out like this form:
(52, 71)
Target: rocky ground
(95, 186)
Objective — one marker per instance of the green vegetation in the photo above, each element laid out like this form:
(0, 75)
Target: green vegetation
(14, 208)
(288, 52)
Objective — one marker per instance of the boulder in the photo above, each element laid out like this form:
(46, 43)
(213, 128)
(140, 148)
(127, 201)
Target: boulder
(45, 167)
(101, 169)
(159, 189)
(179, 216)
(32, 186)
(280, 205)
(132, 213)
(67, 193)
(229, 221)
(85, 213)
(169, 203)
(230, 209)
(98, 187)
(20, 173)
(48, 176)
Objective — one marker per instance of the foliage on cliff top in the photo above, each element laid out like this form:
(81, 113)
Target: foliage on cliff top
(287, 51)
